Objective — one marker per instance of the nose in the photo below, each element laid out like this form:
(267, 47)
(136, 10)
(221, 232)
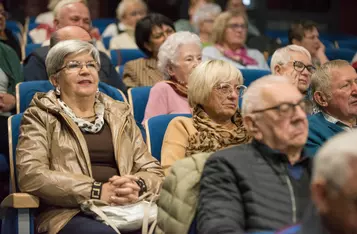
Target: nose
(354, 88)
(84, 69)
(299, 113)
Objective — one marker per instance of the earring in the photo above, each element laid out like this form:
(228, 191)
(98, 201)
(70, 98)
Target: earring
(58, 91)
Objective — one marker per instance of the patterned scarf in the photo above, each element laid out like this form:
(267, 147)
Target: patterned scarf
(180, 89)
(211, 137)
(240, 56)
(83, 124)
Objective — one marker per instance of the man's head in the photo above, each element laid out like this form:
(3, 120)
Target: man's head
(273, 113)
(295, 63)
(334, 88)
(305, 34)
(72, 13)
(69, 33)
(334, 183)
(129, 12)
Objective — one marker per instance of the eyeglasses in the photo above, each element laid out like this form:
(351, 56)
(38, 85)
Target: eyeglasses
(286, 109)
(227, 89)
(137, 13)
(300, 66)
(76, 66)
(237, 26)
(167, 32)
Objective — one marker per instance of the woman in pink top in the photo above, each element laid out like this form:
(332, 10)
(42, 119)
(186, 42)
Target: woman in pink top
(178, 56)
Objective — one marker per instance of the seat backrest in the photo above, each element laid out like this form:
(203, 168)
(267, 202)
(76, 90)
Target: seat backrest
(106, 42)
(138, 98)
(155, 132)
(122, 56)
(251, 75)
(344, 54)
(30, 48)
(26, 90)
(13, 131)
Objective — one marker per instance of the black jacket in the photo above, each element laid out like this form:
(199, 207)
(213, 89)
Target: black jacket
(35, 69)
(249, 188)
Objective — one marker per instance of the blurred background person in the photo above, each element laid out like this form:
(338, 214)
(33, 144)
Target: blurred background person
(6, 36)
(178, 56)
(129, 12)
(229, 36)
(87, 156)
(304, 33)
(203, 20)
(216, 121)
(150, 33)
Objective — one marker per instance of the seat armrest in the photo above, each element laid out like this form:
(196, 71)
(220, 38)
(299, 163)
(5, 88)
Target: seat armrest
(20, 200)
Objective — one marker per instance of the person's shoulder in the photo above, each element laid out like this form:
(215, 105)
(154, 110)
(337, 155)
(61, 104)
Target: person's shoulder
(39, 54)
(254, 52)
(235, 154)
(136, 62)
(210, 48)
(7, 49)
(182, 122)
(162, 85)
(317, 118)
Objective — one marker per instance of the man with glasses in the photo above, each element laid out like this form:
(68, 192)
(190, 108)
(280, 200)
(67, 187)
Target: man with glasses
(334, 90)
(263, 185)
(294, 62)
(333, 189)
(305, 34)
(35, 68)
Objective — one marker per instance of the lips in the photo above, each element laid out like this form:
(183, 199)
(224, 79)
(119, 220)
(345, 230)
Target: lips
(85, 82)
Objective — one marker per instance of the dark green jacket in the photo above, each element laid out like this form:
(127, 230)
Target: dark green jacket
(10, 64)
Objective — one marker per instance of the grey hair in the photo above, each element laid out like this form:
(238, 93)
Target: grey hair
(253, 98)
(58, 53)
(331, 162)
(283, 55)
(64, 3)
(169, 49)
(205, 12)
(123, 5)
(321, 78)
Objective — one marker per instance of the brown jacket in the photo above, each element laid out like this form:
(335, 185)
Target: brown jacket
(141, 72)
(176, 141)
(53, 162)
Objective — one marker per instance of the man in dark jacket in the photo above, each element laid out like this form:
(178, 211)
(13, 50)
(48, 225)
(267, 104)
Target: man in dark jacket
(264, 185)
(35, 68)
(333, 189)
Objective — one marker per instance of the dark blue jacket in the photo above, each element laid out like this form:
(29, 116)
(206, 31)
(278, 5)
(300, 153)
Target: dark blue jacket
(320, 130)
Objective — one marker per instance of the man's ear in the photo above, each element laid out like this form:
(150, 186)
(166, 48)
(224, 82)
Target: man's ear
(251, 126)
(320, 98)
(278, 70)
(320, 194)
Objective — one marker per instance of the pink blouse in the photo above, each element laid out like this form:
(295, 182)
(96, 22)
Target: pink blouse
(164, 100)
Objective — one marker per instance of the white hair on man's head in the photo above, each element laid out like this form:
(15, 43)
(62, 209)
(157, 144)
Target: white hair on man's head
(64, 3)
(123, 5)
(205, 12)
(331, 162)
(283, 55)
(169, 49)
(253, 98)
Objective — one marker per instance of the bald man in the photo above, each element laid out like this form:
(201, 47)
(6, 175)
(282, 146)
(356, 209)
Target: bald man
(35, 68)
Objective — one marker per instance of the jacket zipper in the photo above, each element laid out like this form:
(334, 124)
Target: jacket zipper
(292, 197)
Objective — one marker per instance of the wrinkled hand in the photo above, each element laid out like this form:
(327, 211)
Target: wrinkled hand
(7, 102)
(126, 190)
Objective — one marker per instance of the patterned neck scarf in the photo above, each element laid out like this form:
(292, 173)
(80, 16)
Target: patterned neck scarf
(180, 89)
(211, 137)
(83, 124)
(240, 56)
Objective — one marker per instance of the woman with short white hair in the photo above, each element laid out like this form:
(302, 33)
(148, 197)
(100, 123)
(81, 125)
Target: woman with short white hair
(178, 56)
(129, 12)
(213, 91)
(203, 20)
(77, 144)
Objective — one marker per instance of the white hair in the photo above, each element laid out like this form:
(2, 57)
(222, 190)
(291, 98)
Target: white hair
(253, 98)
(58, 53)
(64, 3)
(283, 55)
(205, 12)
(169, 49)
(331, 162)
(123, 5)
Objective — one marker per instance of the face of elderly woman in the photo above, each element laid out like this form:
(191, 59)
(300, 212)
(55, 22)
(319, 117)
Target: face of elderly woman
(222, 102)
(187, 58)
(75, 81)
(236, 32)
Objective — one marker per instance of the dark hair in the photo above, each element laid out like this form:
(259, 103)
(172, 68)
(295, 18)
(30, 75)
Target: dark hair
(297, 30)
(144, 27)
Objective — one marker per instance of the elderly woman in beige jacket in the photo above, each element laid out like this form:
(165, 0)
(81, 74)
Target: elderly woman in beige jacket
(216, 122)
(77, 144)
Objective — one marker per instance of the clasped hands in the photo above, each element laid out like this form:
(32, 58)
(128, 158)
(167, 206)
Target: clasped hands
(121, 190)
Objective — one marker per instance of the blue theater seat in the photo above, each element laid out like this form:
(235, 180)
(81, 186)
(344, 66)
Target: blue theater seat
(122, 56)
(30, 48)
(345, 54)
(251, 75)
(138, 98)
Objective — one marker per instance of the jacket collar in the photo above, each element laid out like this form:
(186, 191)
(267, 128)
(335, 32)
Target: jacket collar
(151, 62)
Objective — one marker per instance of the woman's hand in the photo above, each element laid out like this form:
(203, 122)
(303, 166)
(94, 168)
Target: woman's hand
(7, 102)
(126, 190)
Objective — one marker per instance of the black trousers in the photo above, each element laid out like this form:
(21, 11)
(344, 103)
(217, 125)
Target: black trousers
(4, 141)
